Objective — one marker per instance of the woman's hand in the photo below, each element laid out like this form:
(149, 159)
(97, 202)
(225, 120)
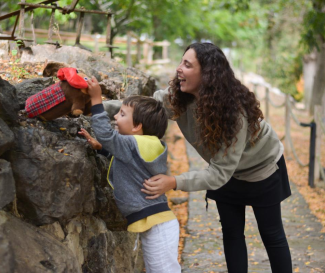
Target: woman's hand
(93, 142)
(158, 185)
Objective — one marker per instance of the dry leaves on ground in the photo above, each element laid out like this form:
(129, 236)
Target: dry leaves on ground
(178, 163)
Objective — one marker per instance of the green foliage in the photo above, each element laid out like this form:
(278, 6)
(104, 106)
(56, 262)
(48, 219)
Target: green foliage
(314, 29)
(268, 36)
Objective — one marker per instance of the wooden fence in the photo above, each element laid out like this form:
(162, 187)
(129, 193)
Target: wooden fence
(130, 45)
(317, 129)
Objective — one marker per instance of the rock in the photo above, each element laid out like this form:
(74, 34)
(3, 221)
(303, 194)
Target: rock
(73, 239)
(127, 254)
(178, 200)
(106, 206)
(30, 87)
(141, 84)
(55, 230)
(64, 54)
(52, 68)
(112, 88)
(8, 102)
(112, 107)
(6, 137)
(4, 49)
(132, 80)
(7, 184)
(101, 250)
(7, 257)
(54, 171)
(25, 248)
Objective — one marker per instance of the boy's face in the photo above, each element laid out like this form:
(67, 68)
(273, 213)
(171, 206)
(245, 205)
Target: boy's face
(124, 120)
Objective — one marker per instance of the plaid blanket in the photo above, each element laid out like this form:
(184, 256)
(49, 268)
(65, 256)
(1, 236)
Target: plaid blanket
(44, 100)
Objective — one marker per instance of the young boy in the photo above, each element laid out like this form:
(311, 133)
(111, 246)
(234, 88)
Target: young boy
(138, 154)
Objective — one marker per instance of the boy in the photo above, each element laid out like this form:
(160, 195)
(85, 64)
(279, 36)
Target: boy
(138, 154)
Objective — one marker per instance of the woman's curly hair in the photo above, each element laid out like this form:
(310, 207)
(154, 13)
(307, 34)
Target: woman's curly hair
(222, 101)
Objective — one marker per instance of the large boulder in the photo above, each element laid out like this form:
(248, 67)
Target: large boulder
(7, 183)
(54, 171)
(25, 248)
(9, 106)
(106, 206)
(127, 80)
(65, 54)
(30, 87)
(6, 137)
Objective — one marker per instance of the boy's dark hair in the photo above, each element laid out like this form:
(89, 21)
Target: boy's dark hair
(150, 113)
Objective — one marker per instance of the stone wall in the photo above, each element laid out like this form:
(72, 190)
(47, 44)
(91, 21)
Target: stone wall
(57, 212)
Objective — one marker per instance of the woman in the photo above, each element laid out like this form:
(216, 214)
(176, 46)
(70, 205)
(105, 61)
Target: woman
(222, 119)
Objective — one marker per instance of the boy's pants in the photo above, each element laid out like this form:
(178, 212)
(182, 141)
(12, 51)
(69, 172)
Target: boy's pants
(160, 248)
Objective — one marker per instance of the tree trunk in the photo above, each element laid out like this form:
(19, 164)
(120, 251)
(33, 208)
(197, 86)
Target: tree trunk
(319, 81)
(309, 71)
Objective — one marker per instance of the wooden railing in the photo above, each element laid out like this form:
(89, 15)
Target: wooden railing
(131, 43)
(317, 129)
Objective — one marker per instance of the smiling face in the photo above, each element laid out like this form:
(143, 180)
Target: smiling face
(189, 73)
(124, 121)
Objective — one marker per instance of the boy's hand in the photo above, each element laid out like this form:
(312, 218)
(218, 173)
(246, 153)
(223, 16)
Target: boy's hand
(93, 142)
(94, 91)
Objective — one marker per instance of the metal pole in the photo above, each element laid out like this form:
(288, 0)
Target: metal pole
(312, 154)
(267, 117)
(312, 145)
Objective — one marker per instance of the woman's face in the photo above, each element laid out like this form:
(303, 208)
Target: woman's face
(189, 73)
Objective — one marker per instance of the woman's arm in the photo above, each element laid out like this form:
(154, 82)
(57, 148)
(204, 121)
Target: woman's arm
(219, 172)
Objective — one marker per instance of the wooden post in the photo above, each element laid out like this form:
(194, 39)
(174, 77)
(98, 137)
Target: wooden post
(128, 50)
(138, 50)
(145, 52)
(318, 121)
(150, 53)
(32, 27)
(50, 34)
(108, 36)
(267, 93)
(80, 24)
(255, 89)
(287, 147)
(21, 20)
(96, 47)
(165, 50)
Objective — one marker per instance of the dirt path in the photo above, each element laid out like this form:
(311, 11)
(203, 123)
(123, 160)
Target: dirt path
(203, 251)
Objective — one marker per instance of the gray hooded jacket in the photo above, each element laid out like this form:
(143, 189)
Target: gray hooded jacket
(130, 166)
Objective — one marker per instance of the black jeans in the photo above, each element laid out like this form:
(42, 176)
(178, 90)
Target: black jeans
(232, 218)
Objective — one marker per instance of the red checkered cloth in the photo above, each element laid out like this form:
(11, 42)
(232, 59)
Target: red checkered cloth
(44, 100)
